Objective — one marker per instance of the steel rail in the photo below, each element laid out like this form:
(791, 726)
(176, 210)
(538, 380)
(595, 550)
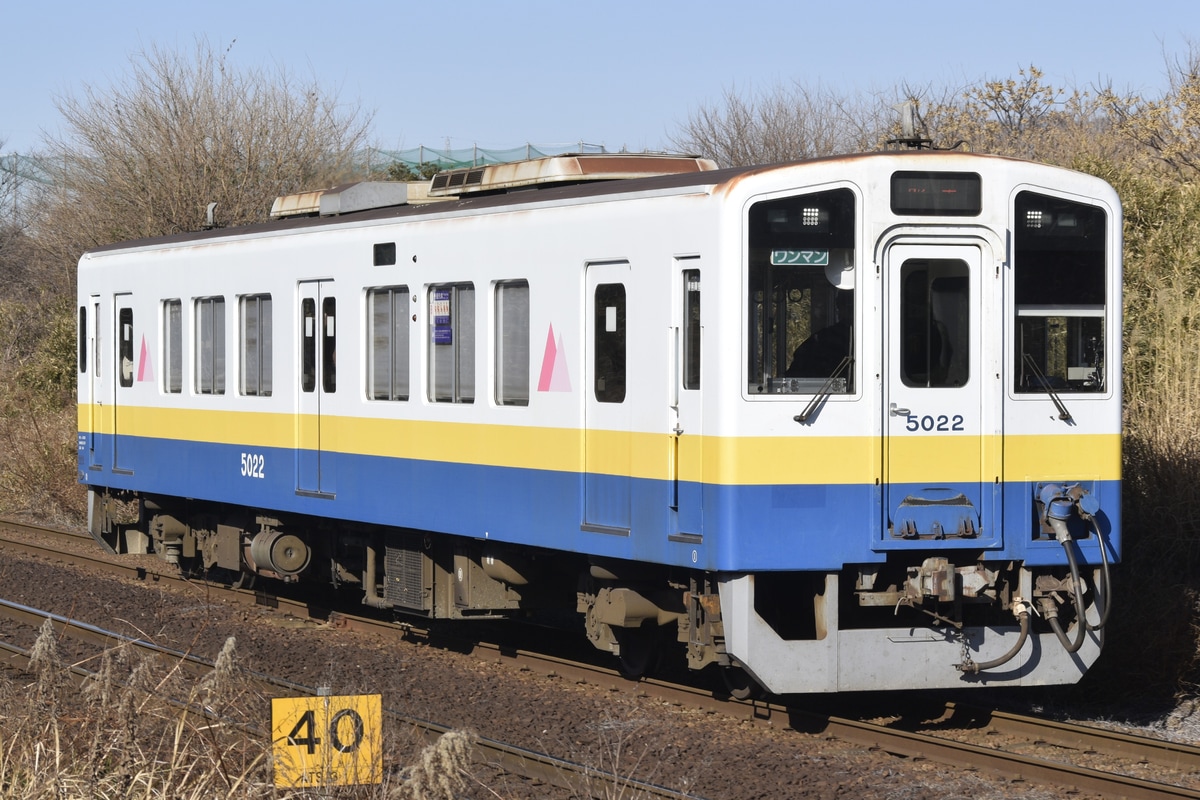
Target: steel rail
(1164, 753)
(999, 762)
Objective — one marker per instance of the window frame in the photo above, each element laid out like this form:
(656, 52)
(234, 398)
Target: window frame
(785, 234)
(172, 346)
(512, 343)
(255, 378)
(611, 347)
(691, 327)
(397, 364)
(125, 337)
(1053, 291)
(451, 343)
(210, 336)
(82, 359)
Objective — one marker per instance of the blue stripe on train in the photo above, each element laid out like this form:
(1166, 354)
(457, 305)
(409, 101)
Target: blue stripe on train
(737, 528)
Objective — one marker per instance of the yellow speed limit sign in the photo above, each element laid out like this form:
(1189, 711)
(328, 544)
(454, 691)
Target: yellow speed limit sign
(327, 741)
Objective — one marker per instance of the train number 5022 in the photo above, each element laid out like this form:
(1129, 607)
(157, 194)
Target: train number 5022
(253, 465)
(941, 423)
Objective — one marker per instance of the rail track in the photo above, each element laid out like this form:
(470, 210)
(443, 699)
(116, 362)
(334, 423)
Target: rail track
(1085, 758)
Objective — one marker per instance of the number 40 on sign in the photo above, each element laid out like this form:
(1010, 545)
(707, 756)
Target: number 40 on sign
(327, 740)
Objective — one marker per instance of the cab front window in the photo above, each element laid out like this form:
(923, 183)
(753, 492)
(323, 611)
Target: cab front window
(1059, 264)
(801, 294)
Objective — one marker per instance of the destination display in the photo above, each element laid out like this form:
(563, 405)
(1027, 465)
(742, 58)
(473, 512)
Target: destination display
(937, 194)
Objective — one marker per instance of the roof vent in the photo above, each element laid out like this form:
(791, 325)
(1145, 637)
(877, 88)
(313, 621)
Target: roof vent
(350, 197)
(564, 169)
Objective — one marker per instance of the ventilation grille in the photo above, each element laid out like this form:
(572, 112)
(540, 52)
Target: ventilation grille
(404, 583)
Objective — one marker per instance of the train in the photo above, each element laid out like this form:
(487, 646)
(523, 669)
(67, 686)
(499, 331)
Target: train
(843, 424)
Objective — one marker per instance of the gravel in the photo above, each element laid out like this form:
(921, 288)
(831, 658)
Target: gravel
(706, 754)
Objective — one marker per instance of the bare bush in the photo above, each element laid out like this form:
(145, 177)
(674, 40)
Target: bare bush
(1021, 116)
(146, 156)
(785, 123)
(141, 158)
(1169, 126)
(20, 200)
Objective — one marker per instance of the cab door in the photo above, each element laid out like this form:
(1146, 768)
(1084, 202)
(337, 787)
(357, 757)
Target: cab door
(685, 419)
(941, 455)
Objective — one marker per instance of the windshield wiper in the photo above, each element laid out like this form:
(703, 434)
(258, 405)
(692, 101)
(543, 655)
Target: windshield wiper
(826, 390)
(1063, 414)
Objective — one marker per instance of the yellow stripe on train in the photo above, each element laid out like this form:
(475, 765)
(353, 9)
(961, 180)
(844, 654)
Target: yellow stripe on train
(713, 459)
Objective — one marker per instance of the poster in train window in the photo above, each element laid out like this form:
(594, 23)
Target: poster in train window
(439, 314)
(452, 343)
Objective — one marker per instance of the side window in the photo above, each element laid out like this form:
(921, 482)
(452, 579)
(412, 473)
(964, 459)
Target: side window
(172, 346)
(254, 327)
(452, 343)
(83, 339)
(388, 315)
(308, 344)
(329, 344)
(691, 329)
(609, 319)
(935, 323)
(801, 260)
(512, 343)
(97, 361)
(210, 345)
(1059, 259)
(125, 345)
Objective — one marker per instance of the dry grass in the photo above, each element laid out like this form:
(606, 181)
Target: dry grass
(440, 771)
(1154, 645)
(120, 737)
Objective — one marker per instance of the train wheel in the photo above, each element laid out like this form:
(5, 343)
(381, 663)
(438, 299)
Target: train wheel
(640, 649)
(739, 683)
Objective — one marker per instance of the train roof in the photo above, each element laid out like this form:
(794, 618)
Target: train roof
(521, 193)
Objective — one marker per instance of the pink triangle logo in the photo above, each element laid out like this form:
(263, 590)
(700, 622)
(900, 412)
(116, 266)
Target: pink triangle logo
(554, 376)
(145, 368)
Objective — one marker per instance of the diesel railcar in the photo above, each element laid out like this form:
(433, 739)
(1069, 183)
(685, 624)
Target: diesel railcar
(842, 424)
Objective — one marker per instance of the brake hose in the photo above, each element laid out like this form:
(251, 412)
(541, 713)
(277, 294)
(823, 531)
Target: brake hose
(1104, 594)
(1077, 601)
(1023, 618)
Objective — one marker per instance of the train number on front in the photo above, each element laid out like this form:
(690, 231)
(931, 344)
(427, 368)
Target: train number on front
(254, 465)
(942, 423)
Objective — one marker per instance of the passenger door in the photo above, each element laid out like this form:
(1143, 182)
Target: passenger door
(941, 444)
(122, 382)
(317, 381)
(607, 439)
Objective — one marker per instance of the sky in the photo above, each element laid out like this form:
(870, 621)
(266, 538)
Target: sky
(617, 73)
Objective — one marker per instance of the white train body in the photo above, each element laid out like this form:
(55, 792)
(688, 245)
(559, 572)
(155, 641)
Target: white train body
(583, 397)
